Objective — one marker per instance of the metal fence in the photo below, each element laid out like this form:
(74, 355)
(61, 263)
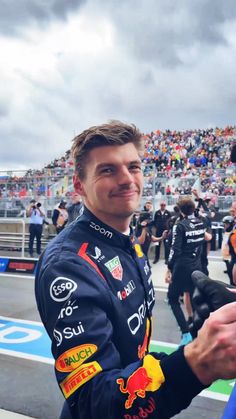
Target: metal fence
(49, 186)
(8, 238)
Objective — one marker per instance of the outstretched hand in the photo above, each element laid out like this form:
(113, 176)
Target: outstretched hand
(212, 355)
(208, 296)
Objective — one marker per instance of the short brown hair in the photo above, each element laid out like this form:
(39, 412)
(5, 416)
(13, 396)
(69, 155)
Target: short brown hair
(186, 205)
(112, 133)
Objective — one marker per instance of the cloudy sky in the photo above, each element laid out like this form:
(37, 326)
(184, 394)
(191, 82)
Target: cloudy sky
(69, 64)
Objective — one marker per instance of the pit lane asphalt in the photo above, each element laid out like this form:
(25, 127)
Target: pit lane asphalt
(29, 387)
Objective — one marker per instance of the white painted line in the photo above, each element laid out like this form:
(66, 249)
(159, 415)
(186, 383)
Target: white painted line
(21, 321)
(27, 356)
(214, 396)
(12, 275)
(161, 343)
(6, 414)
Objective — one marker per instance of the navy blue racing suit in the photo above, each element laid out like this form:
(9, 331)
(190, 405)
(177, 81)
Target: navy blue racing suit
(95, 297)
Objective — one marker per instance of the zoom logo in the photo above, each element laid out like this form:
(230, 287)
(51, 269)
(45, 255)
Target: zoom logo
(61, 288)
(101, 230)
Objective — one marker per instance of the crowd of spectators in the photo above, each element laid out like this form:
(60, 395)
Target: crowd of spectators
(187, 156)
(34, 182)
(182, 155)
(175, 150)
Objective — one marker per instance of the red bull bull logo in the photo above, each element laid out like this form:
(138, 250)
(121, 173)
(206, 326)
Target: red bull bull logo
(136, 386)
(149, 377)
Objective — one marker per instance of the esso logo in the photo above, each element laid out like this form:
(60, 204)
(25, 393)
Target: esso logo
(61, 288)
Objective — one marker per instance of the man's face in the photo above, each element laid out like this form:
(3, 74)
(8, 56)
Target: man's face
(163, 207)
(113, 182)
(148, 206)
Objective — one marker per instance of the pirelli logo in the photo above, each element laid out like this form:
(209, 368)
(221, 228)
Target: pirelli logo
(79, 377)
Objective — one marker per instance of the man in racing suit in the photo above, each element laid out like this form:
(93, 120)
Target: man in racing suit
(95, 297)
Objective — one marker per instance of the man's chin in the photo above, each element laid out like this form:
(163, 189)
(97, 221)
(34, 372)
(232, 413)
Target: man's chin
(125, 209)
(126, 213)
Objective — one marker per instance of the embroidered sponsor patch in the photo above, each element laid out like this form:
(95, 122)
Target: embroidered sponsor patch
(149, 377)
(114, 266)
(79, 377)
(61, 288)
(98, 254)
(127, 290)
(74, 357)
(82, 253)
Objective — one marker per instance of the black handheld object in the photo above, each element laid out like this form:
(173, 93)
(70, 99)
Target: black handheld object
(208, 296)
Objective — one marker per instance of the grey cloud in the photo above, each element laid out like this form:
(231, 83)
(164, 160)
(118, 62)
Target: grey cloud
(146, 78)
(31, 144)
(210, 16)
(4, 109)
(157, 31)
(171, 65)
(15, 15)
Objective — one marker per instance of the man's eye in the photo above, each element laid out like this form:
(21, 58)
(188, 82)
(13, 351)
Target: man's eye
(135, 168)
(106, 170)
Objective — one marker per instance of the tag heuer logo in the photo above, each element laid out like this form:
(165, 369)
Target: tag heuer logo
(114, 266)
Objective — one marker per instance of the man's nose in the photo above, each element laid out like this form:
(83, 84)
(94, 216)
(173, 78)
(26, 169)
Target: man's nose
(125, 177)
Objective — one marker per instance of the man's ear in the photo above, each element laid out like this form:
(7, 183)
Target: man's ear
(78, 185)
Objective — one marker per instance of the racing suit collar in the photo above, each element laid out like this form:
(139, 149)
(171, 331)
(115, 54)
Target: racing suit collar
(105, 232)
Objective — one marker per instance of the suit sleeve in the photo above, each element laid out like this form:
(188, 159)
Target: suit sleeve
(176, 245)
(76, 308)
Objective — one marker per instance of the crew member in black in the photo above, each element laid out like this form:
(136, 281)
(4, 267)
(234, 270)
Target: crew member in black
(228, 223)
(170, 224)
(185, 257)
(161, 218)
(206, 214)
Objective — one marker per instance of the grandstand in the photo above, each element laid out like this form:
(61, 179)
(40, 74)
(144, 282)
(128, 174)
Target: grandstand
(174, 162)
(172, 158)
